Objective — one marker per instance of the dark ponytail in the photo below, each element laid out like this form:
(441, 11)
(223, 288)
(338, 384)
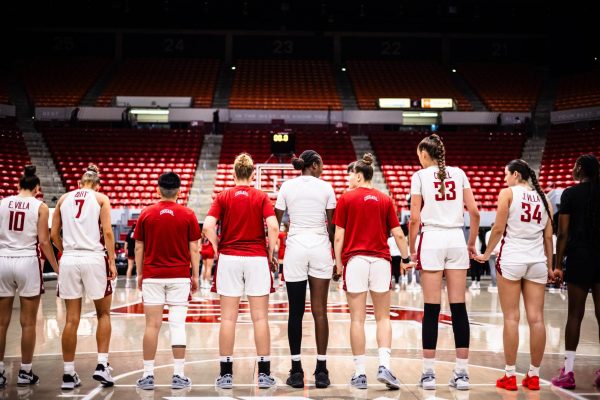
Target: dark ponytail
(29, 180)
(306, 160)
(527, 173)
(434, 146)
(588, 167)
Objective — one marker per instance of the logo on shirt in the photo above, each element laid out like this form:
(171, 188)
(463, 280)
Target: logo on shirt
(370, 197)
(167, 211)
(241, 193)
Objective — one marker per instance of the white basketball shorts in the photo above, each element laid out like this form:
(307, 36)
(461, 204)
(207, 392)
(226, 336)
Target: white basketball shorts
(22, 276)
(307, 255)
(442, 249)
(239, 275)
(535, 272)
(363, 273)
(83, 274)
(172, 292)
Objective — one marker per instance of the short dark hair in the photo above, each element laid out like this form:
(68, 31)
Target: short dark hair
(169, 180)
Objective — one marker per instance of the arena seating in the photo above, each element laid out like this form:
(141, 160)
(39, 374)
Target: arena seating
(4, 97)
(578, 91)
(564, 144)
(284, 84)
(164, 77)
(13, 157)
(335, 147)
(482, 155)
(374, 79)
(59, 82)
(130, 160)
(504, 87)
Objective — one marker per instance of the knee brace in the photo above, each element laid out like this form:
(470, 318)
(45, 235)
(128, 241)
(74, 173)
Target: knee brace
(429, 332)
(177, 316)
(460, 325)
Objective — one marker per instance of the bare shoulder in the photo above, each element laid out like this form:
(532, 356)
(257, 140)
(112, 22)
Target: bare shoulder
(102, 199)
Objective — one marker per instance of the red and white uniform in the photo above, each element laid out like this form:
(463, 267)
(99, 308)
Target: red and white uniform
(368, 216)
(243, 266)
(308, 248)
(167, 228)
(20, 267)
(83, 266)
(442, 245)
(522, 253)
(207, 251)
(282, 244)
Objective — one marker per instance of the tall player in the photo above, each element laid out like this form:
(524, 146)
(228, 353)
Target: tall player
(363, 220)
(310, 203)
(23, 224)
(438, 196)
(524, 265)
(166, 238)
(87, 238)
(243, 266)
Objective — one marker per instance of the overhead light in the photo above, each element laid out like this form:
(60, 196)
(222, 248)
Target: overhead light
(420, 114)
(453, 69)
(343, 69)
(233, 67)
(149, 111)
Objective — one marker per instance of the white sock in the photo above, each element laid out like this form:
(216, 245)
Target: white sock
(263, 358)
(69, 367)
(384, 356)
(533, 371)
(226, 359)
(510, 370)
(359, 365)
(461, 364)
(26, 367)
(428, 364)
(148, 368)
(569, 361)
(321, 357)
(1, 366)
(103, 359)
(178, 364)
(296, 357)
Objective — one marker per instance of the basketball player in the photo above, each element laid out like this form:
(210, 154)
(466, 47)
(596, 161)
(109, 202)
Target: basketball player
(524, 265)
(87, 236)
(310, 203)
(23, 224)
(438, 195)
(166, 238)
(244, 266)
(130, 248)
(364, 218)
(280, 248)
(577, 256)
(208, 259)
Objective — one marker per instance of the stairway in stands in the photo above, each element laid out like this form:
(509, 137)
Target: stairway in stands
(362, 145)
(204, 179)
(533, 152)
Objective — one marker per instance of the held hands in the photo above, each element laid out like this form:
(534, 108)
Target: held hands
(472, 251)
(195, 284)
(112, 270)
(338, 270)
(556, 276)
(139, 282)
(481, 258)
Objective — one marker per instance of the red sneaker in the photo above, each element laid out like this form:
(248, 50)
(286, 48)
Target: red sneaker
(531, 382)
(507, 382)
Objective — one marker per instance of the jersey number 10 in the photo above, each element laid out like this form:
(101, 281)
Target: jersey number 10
(449, 193)
(16, 221)
(527, 217)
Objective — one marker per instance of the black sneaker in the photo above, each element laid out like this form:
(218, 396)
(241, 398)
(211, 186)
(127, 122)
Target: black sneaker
(70, 382)
(322, 379)
(27, 378)
(296, 379)
(2, 379)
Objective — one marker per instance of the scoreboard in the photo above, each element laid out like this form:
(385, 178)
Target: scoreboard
(283, 142)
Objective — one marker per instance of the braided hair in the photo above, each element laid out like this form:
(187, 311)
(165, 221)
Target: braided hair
(588, 167)
(527, 173)
(434, 146)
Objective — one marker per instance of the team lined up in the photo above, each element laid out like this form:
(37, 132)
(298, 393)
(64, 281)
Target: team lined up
(347, 238)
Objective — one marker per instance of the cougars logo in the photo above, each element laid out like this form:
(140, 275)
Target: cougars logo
(207, 311)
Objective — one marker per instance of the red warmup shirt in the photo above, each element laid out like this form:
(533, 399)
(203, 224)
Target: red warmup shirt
(282, 239)
(367, 215)
(242, 211)
(167, 228)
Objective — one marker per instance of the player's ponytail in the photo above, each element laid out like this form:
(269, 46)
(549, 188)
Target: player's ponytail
(527, 173)
(587, 168)
(364, 166)
(29, 180)
(434, 146)
(91, 176)
(306, 160)
(243, 166)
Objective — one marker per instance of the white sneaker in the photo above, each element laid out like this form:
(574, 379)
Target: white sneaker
(70, 382)
(492, 289)
(478, 285)
(427, 380)
(473, 285)
(102, 375)
(460, 380)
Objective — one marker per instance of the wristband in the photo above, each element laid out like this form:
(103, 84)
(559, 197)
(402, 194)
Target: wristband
(406, 260)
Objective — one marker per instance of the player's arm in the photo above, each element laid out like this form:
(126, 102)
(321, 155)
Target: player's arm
(400, 241)
(139, 261)
(44, 236)
(279, 215)
(564, 221)
(57, 225)
(548, 245)
(273, 235)
(195, 260)
(504, 200)
(474, 218)
(209, 228)
(338, 245)
(416, 202)
(330, 225)
(107, 232)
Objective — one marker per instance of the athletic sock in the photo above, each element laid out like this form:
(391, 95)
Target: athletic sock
(569, 361)
(178, 365)
(226, 365)
(69, 367)
(429, 364)
(384, 357)
(533, 371)
(510, 370)
(103, 359)
(296, 363)
(462, 364)
(148, 368)
(264, 365)
(359, 365)
(321, 363)
(1, 366)
(24, 367)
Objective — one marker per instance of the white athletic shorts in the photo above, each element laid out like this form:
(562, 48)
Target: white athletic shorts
(239, 275)
(535, 272)
(22, 276)
(364, 273)
(442, 249)
(307, 255)
(79, 274)
(172, 292)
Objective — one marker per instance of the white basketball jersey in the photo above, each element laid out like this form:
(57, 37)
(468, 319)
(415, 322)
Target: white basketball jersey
(523, 241)
(440, 211)
(80, 215)
(18, 226)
